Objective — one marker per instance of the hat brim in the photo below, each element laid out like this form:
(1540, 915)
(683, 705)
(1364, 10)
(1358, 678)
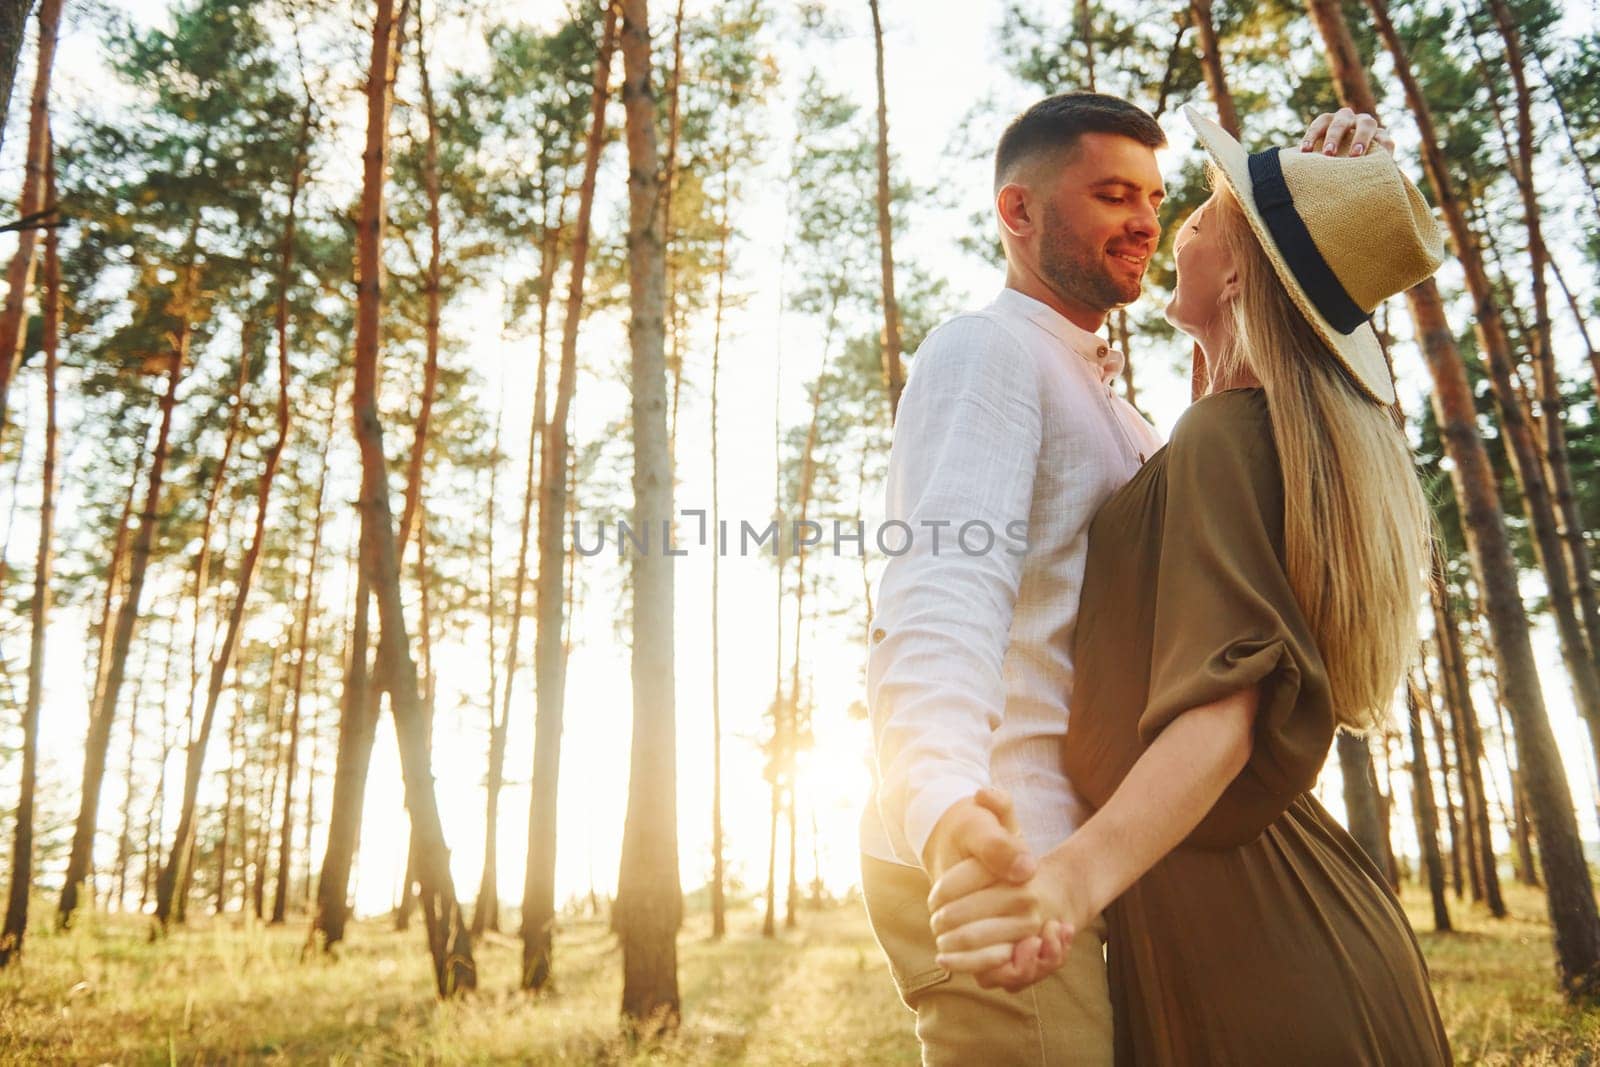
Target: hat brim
(1359, 351)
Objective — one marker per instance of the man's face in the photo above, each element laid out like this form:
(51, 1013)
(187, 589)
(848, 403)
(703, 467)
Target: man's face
(1098, 225)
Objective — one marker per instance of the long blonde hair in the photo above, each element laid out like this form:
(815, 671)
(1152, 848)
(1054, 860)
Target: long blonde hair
(1355, 521)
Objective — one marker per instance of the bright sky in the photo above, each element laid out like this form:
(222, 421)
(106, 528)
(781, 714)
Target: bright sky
(938, 63)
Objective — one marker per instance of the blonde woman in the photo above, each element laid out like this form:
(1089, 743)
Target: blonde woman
(1253, 589)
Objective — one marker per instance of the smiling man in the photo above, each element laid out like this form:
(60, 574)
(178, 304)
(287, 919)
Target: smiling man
(1010, 421)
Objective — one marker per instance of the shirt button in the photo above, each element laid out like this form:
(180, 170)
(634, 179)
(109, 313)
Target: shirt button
(878, 635)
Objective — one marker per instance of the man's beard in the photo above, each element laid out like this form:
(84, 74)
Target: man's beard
(1080, 271)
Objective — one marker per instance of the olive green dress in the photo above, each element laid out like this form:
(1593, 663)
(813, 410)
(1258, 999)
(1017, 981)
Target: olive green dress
(1267, 937)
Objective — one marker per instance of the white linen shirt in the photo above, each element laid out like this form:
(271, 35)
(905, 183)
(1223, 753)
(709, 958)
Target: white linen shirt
(1008, 417)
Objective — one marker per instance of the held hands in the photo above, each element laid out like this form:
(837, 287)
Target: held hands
(1009, 933)
(1329, 134)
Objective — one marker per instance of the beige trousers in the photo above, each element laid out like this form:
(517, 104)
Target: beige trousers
(1064, 1019)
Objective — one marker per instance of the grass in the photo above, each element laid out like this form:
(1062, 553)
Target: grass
(225, 991)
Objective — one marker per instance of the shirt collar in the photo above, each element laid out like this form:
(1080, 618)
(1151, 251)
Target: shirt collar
(1105, 360)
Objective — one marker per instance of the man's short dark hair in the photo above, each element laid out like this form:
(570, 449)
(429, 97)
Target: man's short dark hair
(1055, 123)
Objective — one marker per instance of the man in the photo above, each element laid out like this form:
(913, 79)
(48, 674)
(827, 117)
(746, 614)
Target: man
(1009, 426)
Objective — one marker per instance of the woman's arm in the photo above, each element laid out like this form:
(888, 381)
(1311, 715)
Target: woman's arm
(1171, 787)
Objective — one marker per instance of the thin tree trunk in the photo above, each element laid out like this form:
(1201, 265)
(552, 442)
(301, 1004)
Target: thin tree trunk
(769, 923)
(538, 886)
(1441, 747)
(719, 905)
(116, 574)
(280, 896)
(1470, 746)
(153, 816)
(649, 907)
(19, 275)
(497, 742)
(486, 908)
(260, 812)
(448, 938)
(1427, 814)
(235, 743)
(81, 860)
(408, 895)
(16, 921)
(893, 372)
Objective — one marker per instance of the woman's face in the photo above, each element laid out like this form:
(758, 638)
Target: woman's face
(1207, 279)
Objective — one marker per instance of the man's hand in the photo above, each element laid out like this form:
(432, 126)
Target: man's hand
(1004, 935)
(1328, 134)
(982, 827)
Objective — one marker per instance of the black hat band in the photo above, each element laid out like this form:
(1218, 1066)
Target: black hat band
(1289, 233)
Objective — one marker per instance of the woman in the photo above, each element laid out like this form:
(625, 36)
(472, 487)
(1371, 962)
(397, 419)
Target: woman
(1254, 588)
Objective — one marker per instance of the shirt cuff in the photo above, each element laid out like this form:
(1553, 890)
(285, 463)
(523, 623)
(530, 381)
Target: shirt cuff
(930, 803)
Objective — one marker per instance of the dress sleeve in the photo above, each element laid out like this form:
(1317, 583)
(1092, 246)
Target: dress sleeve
(1226, 619)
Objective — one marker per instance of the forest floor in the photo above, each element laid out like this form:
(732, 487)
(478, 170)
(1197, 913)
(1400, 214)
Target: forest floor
(225, 991)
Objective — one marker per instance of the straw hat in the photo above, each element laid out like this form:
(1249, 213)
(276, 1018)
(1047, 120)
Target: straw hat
(1344, 234)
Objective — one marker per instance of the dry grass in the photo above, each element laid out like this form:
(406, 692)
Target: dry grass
(225, 992)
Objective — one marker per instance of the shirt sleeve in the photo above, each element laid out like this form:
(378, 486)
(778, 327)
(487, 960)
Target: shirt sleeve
(961, 474)
(1226, 618)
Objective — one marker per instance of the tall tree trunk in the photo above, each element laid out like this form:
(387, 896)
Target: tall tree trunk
(538, 885)
(235, 744)
(649, 907)
(81, 860)
(16, 921)
(791, 726)
(488, 894)
(775, 762)
(1441, 747)
(19, 275)
(1571, 898)
(364, 685)
(1452, 667)
(719, 905)
(448, 938)
(1427, 814)
(116, 573)
(259, 813)
(280, 896)
(357, 724)
(158, 797)
(893, 373)
(486, 908)
(411, 513)
(202, 560)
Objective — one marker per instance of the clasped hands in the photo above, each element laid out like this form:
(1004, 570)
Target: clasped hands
(997, 913)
